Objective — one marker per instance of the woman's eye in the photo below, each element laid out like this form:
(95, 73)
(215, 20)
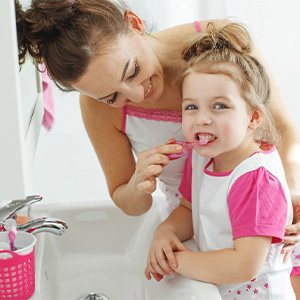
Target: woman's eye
(220, 106)
(191, 107)
(113, 99)
(136, 71)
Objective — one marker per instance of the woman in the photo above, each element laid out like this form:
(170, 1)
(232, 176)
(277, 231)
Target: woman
(129, 100)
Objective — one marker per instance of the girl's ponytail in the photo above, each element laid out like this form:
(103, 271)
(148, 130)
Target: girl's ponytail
(226, 35)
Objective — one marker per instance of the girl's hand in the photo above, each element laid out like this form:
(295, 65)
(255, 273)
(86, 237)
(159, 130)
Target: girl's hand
(156, 276)
(161, 259)
(292, 232)
(150, 164)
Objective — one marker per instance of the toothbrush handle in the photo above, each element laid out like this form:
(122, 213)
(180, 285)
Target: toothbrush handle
(186, 147)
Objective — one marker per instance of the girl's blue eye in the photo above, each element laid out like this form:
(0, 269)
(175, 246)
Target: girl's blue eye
(220, 106)
(191, 107)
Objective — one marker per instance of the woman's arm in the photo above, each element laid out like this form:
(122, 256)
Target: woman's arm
(227, 266)
(104, 127)
(290, 156)
(289, 149)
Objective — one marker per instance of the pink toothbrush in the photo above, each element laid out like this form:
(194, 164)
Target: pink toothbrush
(12, 235)
(186, 147)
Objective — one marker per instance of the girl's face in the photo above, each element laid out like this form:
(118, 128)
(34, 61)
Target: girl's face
(130, 71)
(213, 108)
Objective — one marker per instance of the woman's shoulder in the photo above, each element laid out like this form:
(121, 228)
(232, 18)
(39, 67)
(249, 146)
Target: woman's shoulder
(175, 34)
(95, 113)
(182, 31)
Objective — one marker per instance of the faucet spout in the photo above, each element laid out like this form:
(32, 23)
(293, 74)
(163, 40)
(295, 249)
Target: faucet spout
(12, 207)
(45, 224)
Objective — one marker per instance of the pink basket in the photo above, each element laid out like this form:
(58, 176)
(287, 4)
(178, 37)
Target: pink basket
(17, 276)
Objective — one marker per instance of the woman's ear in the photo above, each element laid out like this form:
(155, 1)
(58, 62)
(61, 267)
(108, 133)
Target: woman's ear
(135, 22)
(256, 119)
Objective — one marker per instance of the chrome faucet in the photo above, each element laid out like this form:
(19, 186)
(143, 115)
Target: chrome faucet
(45, 224)
(9, 210)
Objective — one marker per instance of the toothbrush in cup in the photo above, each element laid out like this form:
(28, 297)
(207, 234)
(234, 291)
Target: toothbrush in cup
(12, 235)
(186, 147)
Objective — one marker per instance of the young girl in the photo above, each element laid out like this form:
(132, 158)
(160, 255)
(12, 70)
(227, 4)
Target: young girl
(236, 201)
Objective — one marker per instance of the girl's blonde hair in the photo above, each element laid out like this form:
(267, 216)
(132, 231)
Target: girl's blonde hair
(225, 49)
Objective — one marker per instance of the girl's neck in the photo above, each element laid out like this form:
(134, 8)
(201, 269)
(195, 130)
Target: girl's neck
(228, 161)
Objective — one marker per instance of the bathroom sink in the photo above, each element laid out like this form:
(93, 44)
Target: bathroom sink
(104, 252)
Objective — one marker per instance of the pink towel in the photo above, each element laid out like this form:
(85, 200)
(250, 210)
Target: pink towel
(49, 111)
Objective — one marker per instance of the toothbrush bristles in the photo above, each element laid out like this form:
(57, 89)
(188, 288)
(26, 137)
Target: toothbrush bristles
(203, 141)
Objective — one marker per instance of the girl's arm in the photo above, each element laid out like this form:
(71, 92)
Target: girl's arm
(167, 239)
(104, 127)
(227, 266)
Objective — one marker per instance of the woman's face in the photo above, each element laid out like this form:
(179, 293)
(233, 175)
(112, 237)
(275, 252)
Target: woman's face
(130, 71)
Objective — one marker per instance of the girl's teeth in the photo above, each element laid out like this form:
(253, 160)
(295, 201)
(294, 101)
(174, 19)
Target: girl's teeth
(204, 139)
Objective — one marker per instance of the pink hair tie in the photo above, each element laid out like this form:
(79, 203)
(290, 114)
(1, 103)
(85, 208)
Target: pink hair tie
(197, 25)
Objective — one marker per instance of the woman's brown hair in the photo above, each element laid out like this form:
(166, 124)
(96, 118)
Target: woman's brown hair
(67, 34)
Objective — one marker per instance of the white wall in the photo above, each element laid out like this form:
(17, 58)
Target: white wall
(66, 167)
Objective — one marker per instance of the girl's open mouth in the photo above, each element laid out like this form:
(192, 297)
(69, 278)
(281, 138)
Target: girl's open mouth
(204, 139)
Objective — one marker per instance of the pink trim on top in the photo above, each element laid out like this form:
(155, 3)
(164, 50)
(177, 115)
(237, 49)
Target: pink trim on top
(295, 271)
(124, 110)
(197, 25)
(214, 173)
(272, 149)
(153, 114)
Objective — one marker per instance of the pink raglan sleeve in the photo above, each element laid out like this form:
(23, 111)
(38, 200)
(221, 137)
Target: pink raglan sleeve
(185, 187)
(258, 206)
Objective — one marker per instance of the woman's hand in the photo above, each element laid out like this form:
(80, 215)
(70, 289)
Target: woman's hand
(150, 164)
(292, 232)
(161, 259)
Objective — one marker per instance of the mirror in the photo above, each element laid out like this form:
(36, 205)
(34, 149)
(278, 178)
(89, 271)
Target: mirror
(30, 91)
(21, 111)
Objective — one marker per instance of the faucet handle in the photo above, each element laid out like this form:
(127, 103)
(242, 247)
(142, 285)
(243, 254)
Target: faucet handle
(12, 207)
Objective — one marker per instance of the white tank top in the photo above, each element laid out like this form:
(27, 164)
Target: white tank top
(147, 128)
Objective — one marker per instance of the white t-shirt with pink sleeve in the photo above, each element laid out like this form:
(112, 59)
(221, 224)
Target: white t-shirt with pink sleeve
(251, 200)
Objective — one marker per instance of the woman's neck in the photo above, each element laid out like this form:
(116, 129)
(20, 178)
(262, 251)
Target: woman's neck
(171, 63)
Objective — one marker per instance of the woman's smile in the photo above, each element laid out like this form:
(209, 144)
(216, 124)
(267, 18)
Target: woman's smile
(149, 90)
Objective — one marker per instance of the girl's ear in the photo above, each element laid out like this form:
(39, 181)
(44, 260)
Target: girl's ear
(135, 22)
(256, 119)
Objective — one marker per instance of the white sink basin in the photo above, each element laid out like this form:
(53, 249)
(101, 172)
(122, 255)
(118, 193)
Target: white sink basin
(104, 251)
